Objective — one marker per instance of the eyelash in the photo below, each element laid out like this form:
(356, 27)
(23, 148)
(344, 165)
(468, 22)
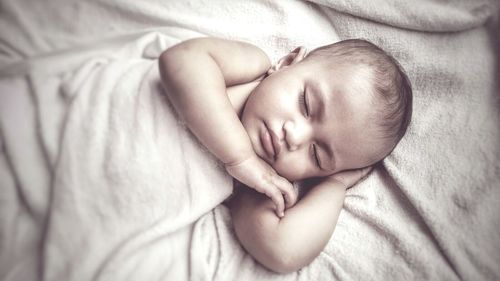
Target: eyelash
(315, 156)
(302, 102)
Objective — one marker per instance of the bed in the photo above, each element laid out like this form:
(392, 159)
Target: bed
(100, 181)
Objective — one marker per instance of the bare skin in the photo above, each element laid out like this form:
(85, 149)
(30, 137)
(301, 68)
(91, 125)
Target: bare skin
(214, 83)
(196, 74)
(287, 244)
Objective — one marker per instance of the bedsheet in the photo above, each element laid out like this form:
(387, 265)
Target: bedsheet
(429, 211)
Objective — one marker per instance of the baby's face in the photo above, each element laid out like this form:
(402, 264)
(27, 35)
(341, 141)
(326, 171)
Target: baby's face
(307, 121)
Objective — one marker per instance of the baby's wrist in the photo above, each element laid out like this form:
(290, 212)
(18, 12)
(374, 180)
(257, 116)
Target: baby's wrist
(240, 159)
(338, 183)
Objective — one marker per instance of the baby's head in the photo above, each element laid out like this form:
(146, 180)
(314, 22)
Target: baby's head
(342, 106)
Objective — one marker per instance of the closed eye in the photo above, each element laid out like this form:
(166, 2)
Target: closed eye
(303, 103)
(315, 157)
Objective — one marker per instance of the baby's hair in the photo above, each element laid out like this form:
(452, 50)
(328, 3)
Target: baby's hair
(389, 79)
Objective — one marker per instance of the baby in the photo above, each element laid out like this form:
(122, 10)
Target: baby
(327, 115)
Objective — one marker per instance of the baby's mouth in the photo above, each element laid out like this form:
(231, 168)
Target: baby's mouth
(267, 142)
(276, 144)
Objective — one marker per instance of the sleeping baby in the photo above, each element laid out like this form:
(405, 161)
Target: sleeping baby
(321, 119)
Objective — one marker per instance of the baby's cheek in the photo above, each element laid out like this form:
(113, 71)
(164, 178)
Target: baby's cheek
(291, 170)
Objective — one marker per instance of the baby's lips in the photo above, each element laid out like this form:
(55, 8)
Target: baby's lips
(276, 143)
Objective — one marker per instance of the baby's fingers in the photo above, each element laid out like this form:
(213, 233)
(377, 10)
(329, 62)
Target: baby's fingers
(287, 189)
(277, 198)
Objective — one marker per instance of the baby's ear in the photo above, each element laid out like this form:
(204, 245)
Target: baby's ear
(291, 58)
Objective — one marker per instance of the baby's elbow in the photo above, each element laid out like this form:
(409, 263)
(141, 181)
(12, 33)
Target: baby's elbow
(269, 244)
(278, 256)
(282, 263)
(285, 260)
(170, 61)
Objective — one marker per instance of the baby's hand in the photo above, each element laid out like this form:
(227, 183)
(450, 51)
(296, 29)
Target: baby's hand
(257, 174)
(351, 177)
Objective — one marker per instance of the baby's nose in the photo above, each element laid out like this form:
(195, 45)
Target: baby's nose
(296, 135)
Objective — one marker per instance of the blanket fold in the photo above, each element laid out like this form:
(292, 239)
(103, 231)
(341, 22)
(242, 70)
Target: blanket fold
(428, 16)
(127, 172)
(100, 182)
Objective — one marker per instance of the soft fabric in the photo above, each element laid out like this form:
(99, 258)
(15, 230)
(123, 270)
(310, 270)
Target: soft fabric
(99, 181)
(128, 176)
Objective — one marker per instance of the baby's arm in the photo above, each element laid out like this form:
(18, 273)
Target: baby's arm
(287, 244)
(196, 74)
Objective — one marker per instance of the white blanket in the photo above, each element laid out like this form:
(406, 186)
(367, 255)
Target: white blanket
(92, 155)
(127, 176)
